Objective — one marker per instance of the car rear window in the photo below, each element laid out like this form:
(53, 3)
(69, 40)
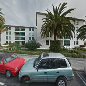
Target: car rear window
(59, 63)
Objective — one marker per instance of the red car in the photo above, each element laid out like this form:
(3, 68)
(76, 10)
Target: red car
(10, 64)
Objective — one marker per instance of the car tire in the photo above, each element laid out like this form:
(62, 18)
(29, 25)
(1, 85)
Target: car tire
(25, 79)
(8, 74)
(61, 81)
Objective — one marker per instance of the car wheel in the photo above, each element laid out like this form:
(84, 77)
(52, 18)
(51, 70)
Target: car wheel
(8, 74)
(25, 79)
(61, 82)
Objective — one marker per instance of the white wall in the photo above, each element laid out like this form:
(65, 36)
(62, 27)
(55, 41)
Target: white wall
(41, 40)
(3, 38)
(12, 34)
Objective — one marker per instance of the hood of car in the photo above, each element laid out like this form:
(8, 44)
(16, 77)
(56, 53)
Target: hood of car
(28, 67)
(17, 63)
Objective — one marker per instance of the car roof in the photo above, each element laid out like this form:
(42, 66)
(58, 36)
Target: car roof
(53, 55)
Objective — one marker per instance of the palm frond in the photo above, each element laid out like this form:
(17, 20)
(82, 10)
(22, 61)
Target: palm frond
(62, 7)
(67, 12)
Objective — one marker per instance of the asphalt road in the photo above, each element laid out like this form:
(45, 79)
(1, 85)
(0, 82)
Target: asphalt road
(79, 78)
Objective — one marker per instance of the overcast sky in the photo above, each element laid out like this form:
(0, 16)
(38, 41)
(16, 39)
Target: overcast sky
(23, 12)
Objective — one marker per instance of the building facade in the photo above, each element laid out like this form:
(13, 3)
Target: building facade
(18, 34)
(21, 34)
(66, 42)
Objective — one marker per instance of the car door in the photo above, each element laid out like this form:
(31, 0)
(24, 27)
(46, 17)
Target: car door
(41, 72)
(2, 70)
(56, 69)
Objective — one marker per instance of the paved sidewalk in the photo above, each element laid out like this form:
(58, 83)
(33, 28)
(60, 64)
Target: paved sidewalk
(78, 63)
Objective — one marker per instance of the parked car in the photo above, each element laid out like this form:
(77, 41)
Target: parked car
(48, 67)
(10, 64)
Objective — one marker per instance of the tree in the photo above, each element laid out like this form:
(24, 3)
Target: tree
(57, 23)
(2, 22)
(32, 45)
(82, 32)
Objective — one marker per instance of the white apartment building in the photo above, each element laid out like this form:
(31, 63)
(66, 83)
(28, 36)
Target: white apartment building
(66, 42)
(18, 34)
(22, 34)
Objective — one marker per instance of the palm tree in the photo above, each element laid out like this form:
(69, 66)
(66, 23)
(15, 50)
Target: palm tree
(2, 22)
(57, 23)
(82, 32)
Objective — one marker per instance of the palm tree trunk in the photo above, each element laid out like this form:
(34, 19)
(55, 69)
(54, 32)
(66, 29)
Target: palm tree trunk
(54, 35)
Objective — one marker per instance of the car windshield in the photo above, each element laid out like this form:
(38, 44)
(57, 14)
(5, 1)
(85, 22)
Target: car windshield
(37, 61)
(10, 58)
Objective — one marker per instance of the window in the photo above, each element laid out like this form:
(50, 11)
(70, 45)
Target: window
(32, 29)
(6, 32)
(6, 37)
(9, 28)
(29, 29)
(9, 41)
(22, 38)
(9, 32)
(66, 42)
(76, 42)
(77, 22)
(29, 38)
(6, 42)
(22, 33)
(19, 38)
(22, 29)
(32, 38)
(44, 64)
(23, 42)
(9, 37)
(47, 42)
(59, 63)
(17, 29)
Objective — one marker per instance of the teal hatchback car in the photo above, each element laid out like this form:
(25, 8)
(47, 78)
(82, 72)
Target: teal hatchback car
(48, 67)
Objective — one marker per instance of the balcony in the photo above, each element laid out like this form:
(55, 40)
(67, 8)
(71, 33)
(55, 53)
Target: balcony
(19, 33)
(19, 38)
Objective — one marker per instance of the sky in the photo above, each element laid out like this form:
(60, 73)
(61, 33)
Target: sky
(23, 12)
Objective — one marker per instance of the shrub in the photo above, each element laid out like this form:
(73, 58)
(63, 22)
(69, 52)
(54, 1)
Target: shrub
(32, 45)
(55, 46)
(67, 54)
